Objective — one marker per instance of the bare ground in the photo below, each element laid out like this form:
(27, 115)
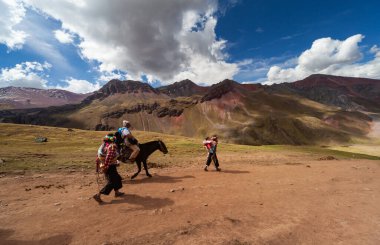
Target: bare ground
(288, 199)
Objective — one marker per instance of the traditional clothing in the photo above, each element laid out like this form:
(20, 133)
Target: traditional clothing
(109, 167)
(211, 146)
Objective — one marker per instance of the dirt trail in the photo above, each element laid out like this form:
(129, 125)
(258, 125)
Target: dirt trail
(288, 202)
(375, 129)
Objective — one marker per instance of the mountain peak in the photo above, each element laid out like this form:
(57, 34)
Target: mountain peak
(127, 86)
(116, 86)
(349, 93)
(216, 91)
(183, 88)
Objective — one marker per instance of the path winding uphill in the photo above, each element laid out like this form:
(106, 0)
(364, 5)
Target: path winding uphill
(282, 199)
(375, 129)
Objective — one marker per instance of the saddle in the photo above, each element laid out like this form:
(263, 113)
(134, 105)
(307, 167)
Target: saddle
(125, 153)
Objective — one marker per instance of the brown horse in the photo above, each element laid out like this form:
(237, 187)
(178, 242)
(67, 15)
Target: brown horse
(146, 150)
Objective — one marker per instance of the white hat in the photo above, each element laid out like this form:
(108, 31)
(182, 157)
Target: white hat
(125, 123)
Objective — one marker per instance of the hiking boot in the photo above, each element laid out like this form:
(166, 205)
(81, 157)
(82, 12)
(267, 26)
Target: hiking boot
(119, 194)
(97, 198)
(206, 168)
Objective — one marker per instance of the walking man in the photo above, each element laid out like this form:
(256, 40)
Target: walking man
(109, 168)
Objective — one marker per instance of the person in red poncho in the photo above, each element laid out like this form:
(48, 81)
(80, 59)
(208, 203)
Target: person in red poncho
(108, 165)
(211, 145)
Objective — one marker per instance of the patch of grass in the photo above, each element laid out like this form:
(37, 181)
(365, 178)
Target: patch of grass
(336, 153)
(77, 149)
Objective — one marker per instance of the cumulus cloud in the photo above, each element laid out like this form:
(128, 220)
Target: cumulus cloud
(26, 74)
(163, 39)
(329, 56)
(375, 50)
(79, 86)
(64, 36)
(34, 75)
(12, 13)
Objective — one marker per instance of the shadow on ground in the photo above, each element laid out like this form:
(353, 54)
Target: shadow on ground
(159, 179)
(235, 172)
(57, 239)
(143, 202)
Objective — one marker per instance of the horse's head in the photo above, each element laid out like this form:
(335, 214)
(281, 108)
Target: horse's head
(162, 148)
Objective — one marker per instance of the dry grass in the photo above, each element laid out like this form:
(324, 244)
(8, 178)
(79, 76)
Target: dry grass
(76, 149)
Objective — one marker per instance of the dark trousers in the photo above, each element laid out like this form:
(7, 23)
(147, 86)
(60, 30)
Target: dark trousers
(113, 180)
(212, 156)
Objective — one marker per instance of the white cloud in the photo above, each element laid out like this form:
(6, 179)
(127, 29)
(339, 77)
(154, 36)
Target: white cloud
(329, 56)
(79, 86)
(34, 74)
(12, 13)
(162, 39)
(207, 72)
(42, 42)
(375, 50)
(106, 76)
(26, 74)
(64, 36)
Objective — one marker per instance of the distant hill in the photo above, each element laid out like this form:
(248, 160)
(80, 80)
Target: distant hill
(346, 92)
(317, 110)
(21, 98)
(121, 87)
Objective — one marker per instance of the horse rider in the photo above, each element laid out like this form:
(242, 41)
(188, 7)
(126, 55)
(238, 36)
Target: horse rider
(129, 140)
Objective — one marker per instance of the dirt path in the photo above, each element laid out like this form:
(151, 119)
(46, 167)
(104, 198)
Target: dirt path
(375, 129)
(292, 202)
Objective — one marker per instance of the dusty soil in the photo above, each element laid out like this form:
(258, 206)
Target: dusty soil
(286, 200)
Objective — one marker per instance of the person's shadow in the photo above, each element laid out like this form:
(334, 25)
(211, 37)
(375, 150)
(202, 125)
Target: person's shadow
(235, 172)
(159, 179)
(142, 203)
(56, 239)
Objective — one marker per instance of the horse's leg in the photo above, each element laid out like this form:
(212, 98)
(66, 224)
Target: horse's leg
(138, 170)
(146, 169)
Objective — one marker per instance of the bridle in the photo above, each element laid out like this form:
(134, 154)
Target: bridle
(161, 146)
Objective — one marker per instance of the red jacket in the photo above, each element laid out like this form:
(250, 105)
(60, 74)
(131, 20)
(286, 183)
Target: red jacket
(111, 155)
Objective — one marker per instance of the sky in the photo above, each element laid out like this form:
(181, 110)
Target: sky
(79, 45)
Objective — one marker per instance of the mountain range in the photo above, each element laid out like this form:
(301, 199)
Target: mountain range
(319, 109)
(21, 98)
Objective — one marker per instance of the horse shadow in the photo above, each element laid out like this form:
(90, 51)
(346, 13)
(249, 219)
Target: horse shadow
(56, 239)
(160, 179)
(143, 202)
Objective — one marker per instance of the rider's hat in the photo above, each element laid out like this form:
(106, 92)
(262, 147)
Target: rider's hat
(126, 123)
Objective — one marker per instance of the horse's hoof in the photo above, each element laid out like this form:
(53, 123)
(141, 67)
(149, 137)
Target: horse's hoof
(149, 175)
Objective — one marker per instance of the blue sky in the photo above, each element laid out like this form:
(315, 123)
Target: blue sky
(80, 45)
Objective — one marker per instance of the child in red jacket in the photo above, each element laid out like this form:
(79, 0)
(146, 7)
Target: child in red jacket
(211, 145)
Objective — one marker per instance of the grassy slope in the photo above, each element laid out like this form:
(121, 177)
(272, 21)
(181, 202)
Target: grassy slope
(77, 149)
(243, 116)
